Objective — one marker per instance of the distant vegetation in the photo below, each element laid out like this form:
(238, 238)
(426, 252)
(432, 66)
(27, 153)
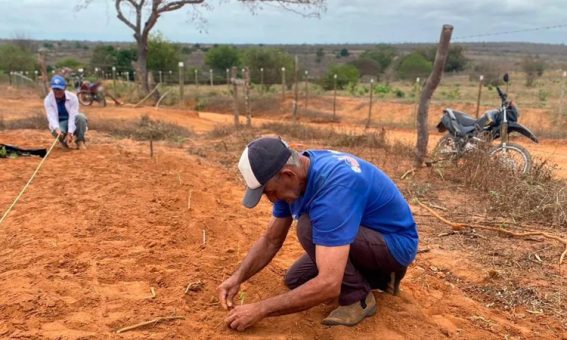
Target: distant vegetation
(383, 62)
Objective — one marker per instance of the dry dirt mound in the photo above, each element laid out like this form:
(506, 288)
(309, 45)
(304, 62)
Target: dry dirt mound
(98, 229)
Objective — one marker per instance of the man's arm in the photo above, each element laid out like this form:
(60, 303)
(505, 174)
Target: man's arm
(331, 263)
(51, 112)
(261, 253)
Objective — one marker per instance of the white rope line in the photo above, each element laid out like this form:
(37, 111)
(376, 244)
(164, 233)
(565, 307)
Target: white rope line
(29, 181)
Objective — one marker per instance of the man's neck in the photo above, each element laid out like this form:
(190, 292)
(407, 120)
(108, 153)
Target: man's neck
(305, 163)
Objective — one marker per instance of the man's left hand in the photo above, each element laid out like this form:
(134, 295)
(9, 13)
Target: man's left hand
(242, 317)
(69, 138)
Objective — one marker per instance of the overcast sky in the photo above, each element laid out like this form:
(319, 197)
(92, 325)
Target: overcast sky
(343, 21)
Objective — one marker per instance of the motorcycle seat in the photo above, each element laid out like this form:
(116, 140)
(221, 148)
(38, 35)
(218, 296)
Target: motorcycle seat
(464, 119)
(458, 123)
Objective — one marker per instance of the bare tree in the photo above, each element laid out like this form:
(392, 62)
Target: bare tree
(155, 8)
(23, 41)
(429, 88)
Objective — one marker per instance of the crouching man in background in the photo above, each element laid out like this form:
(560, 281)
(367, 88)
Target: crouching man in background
(62, 109)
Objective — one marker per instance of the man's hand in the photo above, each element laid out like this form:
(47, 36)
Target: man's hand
(58, 132)
(227, 290)
(69, 138)
(242, 317)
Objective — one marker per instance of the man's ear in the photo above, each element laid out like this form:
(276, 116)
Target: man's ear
(287, 173)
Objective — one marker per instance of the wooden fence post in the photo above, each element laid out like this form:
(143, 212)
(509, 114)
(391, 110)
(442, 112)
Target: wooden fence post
(247, 97)
(181, 83)
(480, 79)
(334, 96)
(296, 89)
(235, 96)
(261, 79)
(370, 106)
(283, 84)
(306, 88)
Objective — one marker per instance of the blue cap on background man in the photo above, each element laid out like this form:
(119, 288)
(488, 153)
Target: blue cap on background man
(262, 159)
(58, 83)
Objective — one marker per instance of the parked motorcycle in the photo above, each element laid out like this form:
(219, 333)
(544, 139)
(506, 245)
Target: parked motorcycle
(466, 134)
(90, 92)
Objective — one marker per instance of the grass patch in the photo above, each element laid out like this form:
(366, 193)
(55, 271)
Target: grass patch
(36, 121)
(143, 129)
(315, 116)
(535, 197)
(330, 136)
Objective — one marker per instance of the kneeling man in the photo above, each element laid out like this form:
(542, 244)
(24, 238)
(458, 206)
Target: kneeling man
(353, 222)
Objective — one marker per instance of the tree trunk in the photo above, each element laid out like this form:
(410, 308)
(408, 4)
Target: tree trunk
(430, 86)
(142, 65)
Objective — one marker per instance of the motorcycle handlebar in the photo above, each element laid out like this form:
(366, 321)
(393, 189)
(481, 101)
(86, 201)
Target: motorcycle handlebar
(501, 94)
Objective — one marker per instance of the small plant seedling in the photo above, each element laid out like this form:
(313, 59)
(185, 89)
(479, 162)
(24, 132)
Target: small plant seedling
(242, 297)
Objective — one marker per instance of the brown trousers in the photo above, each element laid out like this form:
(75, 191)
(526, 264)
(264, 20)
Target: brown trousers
(370, 264)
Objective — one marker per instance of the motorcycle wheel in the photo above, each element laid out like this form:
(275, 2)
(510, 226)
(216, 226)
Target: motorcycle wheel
(85, 98)
(444, 153)
(513, 156)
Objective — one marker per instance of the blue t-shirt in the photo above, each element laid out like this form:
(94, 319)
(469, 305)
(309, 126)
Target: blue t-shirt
(344, 192)
(62, 110)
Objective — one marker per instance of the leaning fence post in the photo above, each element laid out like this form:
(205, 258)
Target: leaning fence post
(480, 79)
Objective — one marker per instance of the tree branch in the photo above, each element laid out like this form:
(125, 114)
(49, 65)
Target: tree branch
(125, 20)
(175, 5)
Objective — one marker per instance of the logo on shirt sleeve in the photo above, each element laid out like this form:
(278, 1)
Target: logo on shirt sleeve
(350, 161)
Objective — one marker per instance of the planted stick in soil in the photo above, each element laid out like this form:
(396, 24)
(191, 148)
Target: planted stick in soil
(151, 322)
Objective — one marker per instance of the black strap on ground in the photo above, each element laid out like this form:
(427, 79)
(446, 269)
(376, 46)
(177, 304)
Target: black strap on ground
(9, 150)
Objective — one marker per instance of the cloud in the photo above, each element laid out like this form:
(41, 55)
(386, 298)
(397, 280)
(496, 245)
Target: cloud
(352, 21)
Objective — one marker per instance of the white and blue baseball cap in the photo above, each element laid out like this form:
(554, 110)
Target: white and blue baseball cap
(261, 160)
(58, 83)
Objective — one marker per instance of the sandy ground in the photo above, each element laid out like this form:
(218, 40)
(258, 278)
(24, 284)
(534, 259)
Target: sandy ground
(98, 229)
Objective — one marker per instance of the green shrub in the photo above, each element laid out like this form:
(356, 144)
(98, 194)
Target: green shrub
(382, 89)
(271, 60)
(345, 74)
(414, 65)
(383, 55)
(357, 90)
(222, 57)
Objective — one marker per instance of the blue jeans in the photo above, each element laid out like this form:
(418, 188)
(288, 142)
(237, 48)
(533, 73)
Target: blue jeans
(80, 131)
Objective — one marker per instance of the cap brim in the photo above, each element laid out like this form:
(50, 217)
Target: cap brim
(58, 87)
(252, 197)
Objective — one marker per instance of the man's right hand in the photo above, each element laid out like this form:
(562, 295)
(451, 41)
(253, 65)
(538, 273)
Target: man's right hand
(227, 290)
(58, 132)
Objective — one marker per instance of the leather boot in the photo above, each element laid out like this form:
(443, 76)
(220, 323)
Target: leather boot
(352, 314)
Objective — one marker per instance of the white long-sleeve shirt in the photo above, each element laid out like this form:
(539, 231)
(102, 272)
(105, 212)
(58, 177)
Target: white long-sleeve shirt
(72, 106)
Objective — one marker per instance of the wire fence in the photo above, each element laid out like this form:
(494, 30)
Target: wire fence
(368, 102)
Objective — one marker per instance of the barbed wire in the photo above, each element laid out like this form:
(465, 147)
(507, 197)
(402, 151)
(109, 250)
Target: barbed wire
(541, 28)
